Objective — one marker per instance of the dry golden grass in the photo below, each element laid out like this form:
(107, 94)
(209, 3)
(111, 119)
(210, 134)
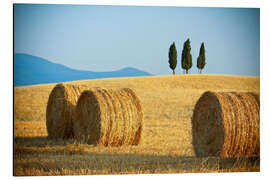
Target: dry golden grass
(166, 139)
(80, 163)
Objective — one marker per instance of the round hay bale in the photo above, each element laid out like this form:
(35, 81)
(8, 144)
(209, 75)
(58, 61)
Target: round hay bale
(60, 110)
(109, 117)
(226, 124)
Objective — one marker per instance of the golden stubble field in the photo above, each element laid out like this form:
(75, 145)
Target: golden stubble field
(166, 145)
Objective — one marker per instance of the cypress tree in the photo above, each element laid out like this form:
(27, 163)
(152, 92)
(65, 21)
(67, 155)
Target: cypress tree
(186, 56)
(201, 58)
(173, 57)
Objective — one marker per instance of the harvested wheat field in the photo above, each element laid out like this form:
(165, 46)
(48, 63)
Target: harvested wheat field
(166, 140)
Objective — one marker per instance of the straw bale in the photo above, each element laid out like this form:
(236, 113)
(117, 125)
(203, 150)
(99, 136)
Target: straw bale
(226, 124)
(60, 110)
(109, 117)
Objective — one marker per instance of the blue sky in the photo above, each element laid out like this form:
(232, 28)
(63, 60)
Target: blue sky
(106, 38)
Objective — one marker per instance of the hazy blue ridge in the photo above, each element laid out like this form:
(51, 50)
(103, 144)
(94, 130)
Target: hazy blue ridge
(30, 70)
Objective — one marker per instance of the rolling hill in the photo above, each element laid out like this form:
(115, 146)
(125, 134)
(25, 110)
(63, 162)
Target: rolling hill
(166, 146)
(30, 70)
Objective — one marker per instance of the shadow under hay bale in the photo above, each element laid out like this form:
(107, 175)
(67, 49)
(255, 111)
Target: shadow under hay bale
(60, 110)
(109, 117)
(227, 124)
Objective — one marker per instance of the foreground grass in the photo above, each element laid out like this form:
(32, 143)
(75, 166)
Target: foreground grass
(77, 159)
(166, 146)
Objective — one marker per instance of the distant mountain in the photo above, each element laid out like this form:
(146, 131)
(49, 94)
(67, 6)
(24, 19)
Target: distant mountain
(29, 70)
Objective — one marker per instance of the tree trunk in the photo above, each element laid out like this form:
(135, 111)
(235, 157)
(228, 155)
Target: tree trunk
(200, 71)
(173, 72)
(186, 71)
